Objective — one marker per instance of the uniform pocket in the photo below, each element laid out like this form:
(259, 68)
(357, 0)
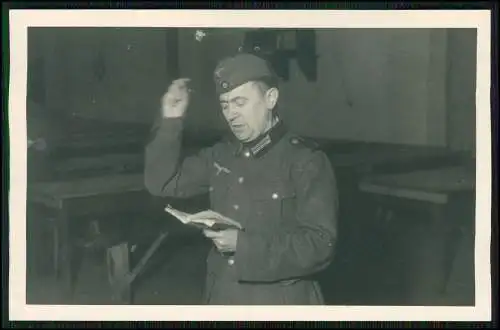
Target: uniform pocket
(273, 199)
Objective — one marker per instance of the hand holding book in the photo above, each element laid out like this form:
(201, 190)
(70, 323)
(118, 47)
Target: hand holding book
(208, 219)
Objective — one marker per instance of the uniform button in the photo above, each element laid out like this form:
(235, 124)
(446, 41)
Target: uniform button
(230, 262)
(330, 244)
(241, 179)
(236, 207)
(211, 188)
(275, 196)
(247, 154)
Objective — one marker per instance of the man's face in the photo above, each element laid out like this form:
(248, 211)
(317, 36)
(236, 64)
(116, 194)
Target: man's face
(248, 110)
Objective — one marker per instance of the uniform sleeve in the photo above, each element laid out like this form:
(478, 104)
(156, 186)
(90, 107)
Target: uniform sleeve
(306, 244)
(167, 173)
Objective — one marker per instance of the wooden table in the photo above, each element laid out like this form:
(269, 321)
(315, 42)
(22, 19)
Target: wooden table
(352, 161)
(380, 158)
(89, 198)
(446, 194)
(436, 185)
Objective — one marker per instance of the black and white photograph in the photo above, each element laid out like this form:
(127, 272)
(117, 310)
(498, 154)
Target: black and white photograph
(230, 164)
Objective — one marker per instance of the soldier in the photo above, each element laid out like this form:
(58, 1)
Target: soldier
(282, 190)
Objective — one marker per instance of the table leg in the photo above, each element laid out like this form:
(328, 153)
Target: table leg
(460, 286)
(430, 279)
(66, 263)
(120, 275)
(118, 262)
(449, 233)
(55, 245)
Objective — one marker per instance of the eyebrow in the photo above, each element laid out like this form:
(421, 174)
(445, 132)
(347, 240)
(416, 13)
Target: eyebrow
(233, 99)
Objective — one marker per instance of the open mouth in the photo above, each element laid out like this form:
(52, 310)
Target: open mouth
(237, 125)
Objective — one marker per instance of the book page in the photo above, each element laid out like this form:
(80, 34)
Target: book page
(208, 218)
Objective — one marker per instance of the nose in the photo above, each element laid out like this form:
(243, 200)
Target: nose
(231, 113)
(232, 117)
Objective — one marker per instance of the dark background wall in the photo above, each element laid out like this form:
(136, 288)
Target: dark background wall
(414, 86)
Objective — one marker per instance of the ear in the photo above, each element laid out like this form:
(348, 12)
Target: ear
(272, 95)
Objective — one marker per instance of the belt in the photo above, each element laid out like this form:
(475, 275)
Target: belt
(227, 254)
(230, 260)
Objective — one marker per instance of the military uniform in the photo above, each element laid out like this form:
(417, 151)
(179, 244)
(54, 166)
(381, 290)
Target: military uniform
(283, 192)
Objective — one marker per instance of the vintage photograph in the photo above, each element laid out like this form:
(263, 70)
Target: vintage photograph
(251, 166)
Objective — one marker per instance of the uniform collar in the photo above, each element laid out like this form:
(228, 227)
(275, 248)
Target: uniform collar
(260, 146)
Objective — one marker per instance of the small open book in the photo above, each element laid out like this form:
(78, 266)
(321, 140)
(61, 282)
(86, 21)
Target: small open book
(204, 220)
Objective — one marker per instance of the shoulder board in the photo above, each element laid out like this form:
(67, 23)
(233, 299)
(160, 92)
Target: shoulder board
(304, 142)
